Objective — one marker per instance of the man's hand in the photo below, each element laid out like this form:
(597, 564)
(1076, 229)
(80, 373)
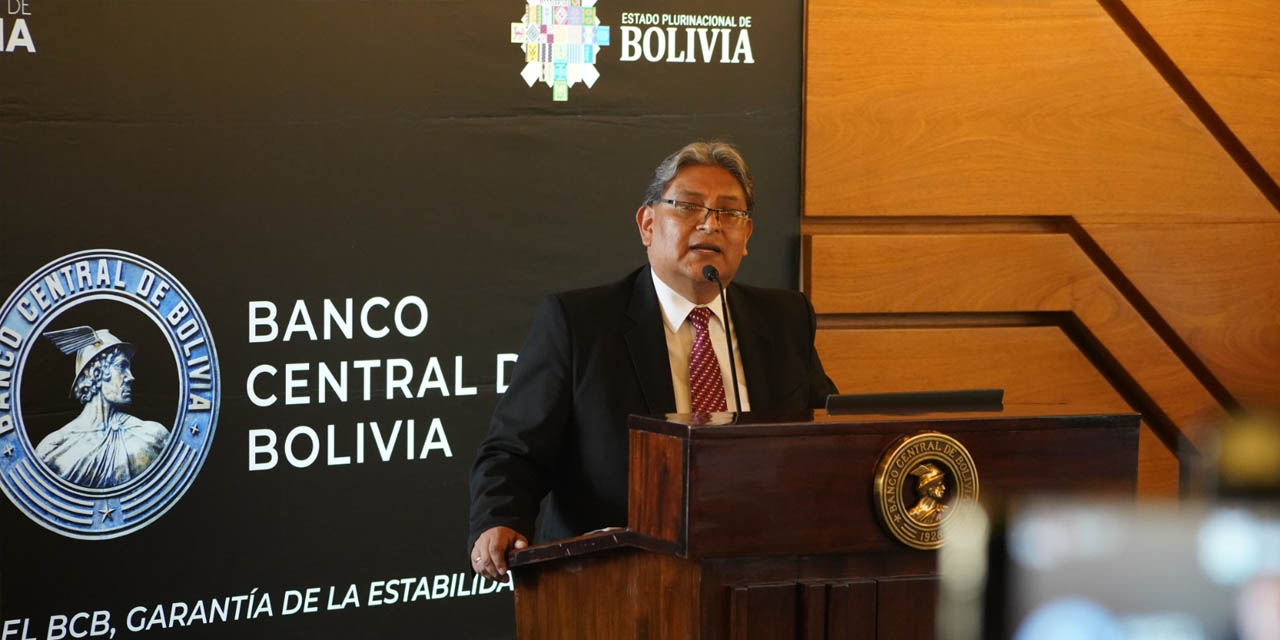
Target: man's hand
(489, 556)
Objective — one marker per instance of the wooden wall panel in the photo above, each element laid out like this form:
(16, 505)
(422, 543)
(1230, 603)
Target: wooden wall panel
(919, 107)
(1041, 370)
(1103, 169)
(1230, 51)
(1036, 272)
(1218, 286)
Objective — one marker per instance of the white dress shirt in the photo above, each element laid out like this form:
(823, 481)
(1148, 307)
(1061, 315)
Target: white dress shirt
(680, 334)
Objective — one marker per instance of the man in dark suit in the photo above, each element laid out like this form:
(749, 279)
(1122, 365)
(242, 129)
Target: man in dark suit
(651, 343)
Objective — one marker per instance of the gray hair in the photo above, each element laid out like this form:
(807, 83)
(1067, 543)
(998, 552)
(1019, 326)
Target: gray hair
(711, 153)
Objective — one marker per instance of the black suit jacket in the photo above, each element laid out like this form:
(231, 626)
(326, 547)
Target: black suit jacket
(594, 356)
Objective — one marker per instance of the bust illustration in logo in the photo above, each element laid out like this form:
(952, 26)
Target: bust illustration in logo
(931, 490)
(119, 450)
(104, 446)
(921, 481)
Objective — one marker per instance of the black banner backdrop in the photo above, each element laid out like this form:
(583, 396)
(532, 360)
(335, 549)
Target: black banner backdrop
(272, 163)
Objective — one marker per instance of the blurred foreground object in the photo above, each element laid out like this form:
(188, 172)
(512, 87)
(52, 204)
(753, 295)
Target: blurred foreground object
(1060, 569)
(1248, 457)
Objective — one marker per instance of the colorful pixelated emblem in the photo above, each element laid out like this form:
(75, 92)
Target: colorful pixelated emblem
(560, 40)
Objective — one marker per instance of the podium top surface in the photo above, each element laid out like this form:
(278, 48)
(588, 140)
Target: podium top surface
(767, 423)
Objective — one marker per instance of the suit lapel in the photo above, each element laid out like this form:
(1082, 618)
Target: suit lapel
(754, 347)
(647, 345)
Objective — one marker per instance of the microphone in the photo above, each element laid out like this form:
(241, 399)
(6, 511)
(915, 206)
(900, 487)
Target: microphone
(713, 275)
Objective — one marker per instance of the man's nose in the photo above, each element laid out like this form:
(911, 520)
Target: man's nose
(128, 375)
(711, 221)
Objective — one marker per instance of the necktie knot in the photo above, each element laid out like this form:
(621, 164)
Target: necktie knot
(699, 317)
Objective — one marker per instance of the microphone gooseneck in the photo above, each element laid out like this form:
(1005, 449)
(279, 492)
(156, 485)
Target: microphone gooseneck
(713, 275)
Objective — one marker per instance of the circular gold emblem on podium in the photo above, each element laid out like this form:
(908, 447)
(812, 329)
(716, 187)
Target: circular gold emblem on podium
(918, 482)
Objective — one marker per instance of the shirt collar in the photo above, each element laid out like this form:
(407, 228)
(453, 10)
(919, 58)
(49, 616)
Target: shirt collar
(675, 307)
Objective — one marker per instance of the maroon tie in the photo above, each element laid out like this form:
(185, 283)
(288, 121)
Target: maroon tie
(706, 386)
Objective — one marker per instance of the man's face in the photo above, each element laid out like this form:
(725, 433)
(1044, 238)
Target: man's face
(680, 247)
(937, 490)
(117, 380)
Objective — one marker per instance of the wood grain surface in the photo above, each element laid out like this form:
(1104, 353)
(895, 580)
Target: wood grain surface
(1041, 370)
(1230, 51)
(649, 595)
(1044, 107)
(810, 493)
(1218, 286)
(1009, 272)
(907, 607)
(656, 462)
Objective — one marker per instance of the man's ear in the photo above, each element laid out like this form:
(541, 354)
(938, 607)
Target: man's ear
(644, 222)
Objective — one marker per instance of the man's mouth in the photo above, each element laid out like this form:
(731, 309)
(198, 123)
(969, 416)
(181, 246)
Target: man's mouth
(704, 248)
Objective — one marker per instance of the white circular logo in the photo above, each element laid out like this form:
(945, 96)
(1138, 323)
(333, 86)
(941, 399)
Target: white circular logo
(96, 349)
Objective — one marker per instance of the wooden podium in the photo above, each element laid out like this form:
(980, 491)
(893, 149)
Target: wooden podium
(767, 527)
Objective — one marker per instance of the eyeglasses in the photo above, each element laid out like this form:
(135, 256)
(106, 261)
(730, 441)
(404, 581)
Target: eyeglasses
(728, 218)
